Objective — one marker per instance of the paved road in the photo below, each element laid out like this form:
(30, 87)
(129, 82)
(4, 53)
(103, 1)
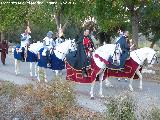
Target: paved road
(149, 95)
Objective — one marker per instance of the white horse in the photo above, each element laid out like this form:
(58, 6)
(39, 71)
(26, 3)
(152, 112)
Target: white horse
(31, 58)
(139, 56)
(60, 52)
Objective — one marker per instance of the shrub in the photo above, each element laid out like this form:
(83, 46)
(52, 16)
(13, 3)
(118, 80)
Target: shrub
(50, 100)
(120, 108)
(154, 114)
(8, 88)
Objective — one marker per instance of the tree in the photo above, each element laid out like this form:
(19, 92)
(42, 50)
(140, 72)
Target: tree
(66, 11)
(11, 15)
(150, 23)
(114, 13)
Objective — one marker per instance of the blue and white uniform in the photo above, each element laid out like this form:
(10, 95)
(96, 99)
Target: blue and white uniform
(25, 39)
(48, 41)
(120, 35)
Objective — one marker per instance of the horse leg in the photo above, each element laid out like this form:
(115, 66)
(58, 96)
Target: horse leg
(16, 66)
(60, 72)
(38, 68)
(35, 68)
(108, 83)
(100, 88)
(31, 64)
(45, 76)
(91, 92)
(56, 71)
(130, 84)
(140, 77)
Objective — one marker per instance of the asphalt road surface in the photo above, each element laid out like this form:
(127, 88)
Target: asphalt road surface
(146, 97)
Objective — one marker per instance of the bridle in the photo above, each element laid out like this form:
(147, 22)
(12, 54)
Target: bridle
(72, 45)
(137, 56)
(154, 56)
(120, 51)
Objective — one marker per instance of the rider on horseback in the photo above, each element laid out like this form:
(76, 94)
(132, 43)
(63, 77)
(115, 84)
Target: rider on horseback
(85, 48)
(59, 37)
(123, 42)
(48, 45)
(25, 42)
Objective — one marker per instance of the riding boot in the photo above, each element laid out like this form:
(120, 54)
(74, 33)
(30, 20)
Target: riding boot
(22, 55)
(84, 72)
(48, 59)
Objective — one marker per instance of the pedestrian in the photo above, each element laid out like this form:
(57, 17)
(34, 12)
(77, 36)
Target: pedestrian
(4, 47)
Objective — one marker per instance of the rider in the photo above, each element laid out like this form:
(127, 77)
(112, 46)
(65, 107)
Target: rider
(84, 49)
(48, 43)
(121, 33)
(25, 41)
(125, 49)
(131, 45)
(59, 37)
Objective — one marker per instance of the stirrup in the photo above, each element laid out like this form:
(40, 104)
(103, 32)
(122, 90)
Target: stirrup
(84, 73)
(48, 65)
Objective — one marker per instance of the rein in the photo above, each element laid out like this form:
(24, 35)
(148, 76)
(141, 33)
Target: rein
(146, 58)
(137, 56)
(153, 57)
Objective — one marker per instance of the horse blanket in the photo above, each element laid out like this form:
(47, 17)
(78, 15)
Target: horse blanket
(76, 75)
(31, 57)
(129, 70)
(56, 63)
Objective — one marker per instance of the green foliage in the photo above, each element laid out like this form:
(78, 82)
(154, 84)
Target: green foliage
(155, 114)
(150, 22)
(12, 15)
(121, 108)
(110, 14)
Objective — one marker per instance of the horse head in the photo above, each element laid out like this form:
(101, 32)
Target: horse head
(64, 48)
(151, 57)
(73, 46)
(117, 54)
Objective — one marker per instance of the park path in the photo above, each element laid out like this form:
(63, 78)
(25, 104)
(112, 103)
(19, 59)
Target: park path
(149, 95)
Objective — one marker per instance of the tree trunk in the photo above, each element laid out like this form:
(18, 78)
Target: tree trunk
(135, 27)
(2, 36)
(152, 44)
(58, 20)
(65, 26)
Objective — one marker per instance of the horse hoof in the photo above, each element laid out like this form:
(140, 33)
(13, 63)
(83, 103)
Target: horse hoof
(131, 89)
(109, 86)
(92, 98)
(140, 88)
(101, 96)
